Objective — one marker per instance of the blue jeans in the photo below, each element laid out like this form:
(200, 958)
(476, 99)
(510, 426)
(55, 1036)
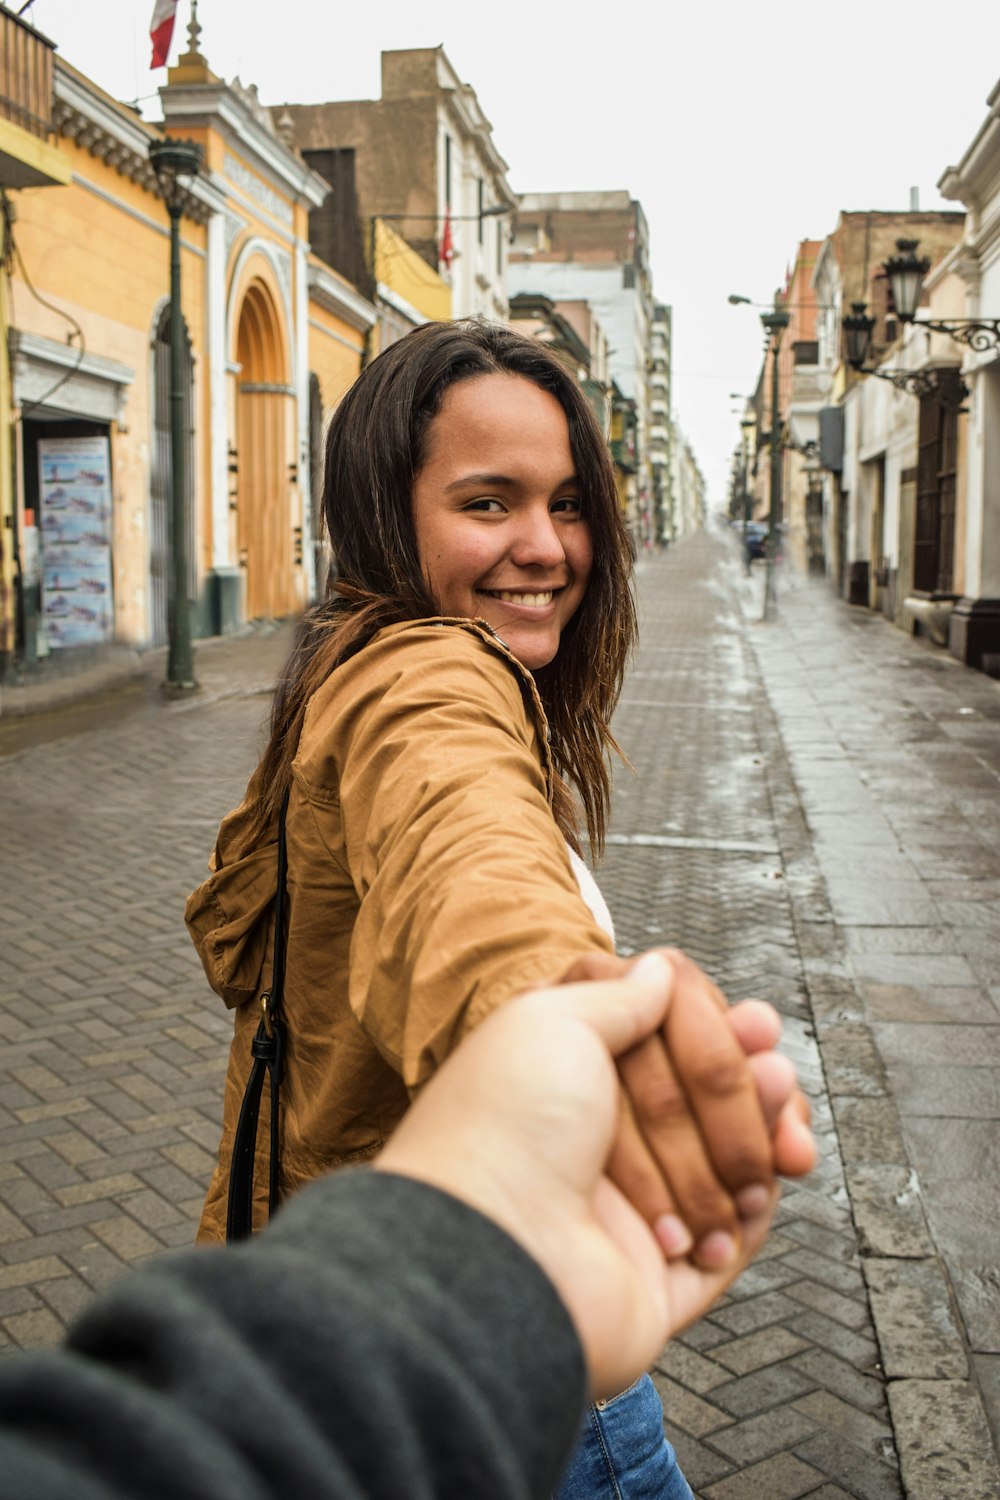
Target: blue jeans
(623, 1453)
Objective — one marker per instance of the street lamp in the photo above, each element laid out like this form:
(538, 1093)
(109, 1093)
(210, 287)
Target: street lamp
(177, 164)
(775, 322)
(747, 426)
(906, 271)
(858, 328)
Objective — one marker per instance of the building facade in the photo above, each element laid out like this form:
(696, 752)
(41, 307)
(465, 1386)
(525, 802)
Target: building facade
(27, 160)
(800, 391)
(690, 498)
(273, 337)
(849, 271)
(661, 424)
(974, 626)
(594, 247)
(423, 164)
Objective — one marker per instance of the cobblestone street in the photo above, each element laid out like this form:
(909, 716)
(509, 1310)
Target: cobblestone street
(814, 816)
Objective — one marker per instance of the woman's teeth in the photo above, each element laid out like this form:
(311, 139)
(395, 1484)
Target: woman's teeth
(532, 601)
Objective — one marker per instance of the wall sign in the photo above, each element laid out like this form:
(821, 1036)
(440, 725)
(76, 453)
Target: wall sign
(74, 486)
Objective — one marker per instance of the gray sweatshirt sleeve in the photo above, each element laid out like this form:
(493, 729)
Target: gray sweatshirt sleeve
(380, 1339)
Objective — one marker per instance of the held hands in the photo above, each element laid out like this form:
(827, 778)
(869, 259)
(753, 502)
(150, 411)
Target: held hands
(711, 1112)
(520, 1121)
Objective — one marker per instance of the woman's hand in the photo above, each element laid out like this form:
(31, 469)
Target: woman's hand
(519, 1122)
(711, 1114)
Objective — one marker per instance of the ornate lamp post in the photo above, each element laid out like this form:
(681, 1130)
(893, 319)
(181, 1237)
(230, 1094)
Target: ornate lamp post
(775, 322)
(858, 328)
(906, 271)
(177, 164)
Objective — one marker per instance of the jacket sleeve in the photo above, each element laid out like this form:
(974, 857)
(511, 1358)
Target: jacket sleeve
(362, 1348)
(466, 893)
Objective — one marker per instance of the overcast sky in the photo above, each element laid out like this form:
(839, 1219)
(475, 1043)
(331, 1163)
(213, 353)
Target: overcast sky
(741, 129)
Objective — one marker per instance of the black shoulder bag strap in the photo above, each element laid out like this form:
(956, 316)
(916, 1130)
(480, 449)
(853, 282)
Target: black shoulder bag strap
(267, 1050)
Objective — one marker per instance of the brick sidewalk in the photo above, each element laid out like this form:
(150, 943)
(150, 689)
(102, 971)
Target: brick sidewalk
(114, 1051)
(779, 1393)
(895, 752)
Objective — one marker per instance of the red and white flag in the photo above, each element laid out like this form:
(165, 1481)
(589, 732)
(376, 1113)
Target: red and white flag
(447, 252)
(161, 31)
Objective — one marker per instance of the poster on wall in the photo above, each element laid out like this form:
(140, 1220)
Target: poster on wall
(74, 519)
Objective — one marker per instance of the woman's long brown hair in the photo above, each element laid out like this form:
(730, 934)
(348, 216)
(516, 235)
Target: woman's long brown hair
(375, 448)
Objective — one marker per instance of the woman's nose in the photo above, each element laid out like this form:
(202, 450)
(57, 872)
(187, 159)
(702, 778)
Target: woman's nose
(538, 541)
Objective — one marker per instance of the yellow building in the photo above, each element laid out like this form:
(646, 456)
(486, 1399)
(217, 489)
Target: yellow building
(27, 160)
(274, 339)
(408, 291)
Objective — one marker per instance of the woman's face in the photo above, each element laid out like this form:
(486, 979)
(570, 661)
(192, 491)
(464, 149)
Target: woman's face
(496, 509)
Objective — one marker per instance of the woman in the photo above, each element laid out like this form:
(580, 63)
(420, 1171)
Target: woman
(440, 714)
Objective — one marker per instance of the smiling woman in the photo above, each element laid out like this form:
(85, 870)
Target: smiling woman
(444, 717)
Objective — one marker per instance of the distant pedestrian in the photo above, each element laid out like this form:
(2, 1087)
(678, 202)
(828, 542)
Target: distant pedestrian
(445, 712)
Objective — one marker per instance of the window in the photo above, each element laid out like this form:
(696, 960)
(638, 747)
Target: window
(481, 204)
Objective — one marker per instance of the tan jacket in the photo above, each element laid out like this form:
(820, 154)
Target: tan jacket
(428, 882)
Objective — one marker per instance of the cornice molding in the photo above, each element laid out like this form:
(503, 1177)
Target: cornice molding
(337, 297)
(113, 135)
(216, 106)
(976, 179)
(41, 350)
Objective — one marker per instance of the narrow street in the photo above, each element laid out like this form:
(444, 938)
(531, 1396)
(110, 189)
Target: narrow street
(814, 816)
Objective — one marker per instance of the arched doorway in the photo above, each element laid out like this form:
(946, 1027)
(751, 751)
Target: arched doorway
(265, 480)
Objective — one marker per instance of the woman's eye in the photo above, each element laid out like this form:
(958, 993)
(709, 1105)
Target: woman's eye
(568, 505)
(487, 503)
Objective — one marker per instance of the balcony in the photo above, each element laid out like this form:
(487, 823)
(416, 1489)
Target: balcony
(25, 76)
(26, 68)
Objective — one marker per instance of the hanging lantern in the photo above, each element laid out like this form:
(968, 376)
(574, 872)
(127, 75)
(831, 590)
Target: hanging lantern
(906, 271)
(858, 327)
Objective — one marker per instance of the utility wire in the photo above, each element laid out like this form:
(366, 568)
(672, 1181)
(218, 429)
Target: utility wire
(11, 256)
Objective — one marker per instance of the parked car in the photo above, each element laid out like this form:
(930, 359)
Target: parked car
(755, 542)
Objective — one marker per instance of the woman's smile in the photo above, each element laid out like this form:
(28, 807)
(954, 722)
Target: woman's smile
(527, 601)
(498, 513)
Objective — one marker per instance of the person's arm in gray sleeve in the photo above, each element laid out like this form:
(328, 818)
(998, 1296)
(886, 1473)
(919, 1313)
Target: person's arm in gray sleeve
(381, 1339)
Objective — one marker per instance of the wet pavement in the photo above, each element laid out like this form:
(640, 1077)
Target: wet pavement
(813, 815)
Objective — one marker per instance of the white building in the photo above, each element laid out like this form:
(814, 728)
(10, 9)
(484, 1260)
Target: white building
(975, 182)
(688, 487)
(594, 247)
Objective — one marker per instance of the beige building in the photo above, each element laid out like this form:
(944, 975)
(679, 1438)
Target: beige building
(690, 499)
(848, 271)
(422, 160)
